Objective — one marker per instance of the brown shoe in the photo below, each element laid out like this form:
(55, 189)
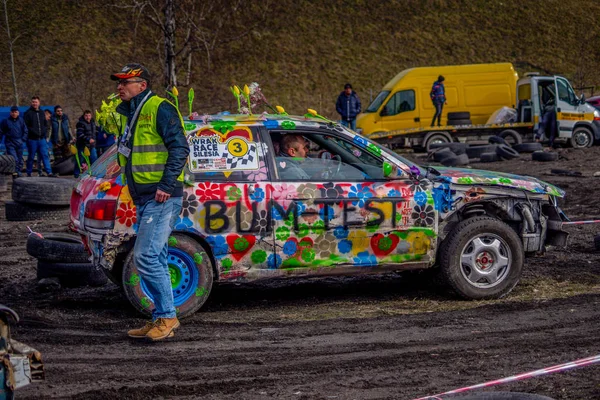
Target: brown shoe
(163, 328)
(141, 332)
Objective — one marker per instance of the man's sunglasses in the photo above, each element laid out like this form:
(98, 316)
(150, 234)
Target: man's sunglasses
(125, 82)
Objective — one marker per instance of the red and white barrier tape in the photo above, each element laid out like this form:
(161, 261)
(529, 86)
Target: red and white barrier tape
(557, 368)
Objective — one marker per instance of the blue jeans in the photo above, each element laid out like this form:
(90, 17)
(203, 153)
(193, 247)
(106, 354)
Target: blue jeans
(349, 124)
(438, 113)
(40, 147)
(156, 220)
(16, 150)
(93, 158)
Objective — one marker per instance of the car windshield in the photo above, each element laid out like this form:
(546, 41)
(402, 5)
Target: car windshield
(377, 102)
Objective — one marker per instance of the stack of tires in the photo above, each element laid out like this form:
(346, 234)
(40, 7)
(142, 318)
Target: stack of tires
(40, 198)
(7, 168)
(459, 118)
(63, 258)
(64, 167)
(449, 154)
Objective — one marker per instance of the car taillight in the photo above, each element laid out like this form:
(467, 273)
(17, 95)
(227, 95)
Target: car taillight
(100, 213)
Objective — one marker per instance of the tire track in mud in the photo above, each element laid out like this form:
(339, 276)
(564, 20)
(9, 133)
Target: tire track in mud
(375, 358)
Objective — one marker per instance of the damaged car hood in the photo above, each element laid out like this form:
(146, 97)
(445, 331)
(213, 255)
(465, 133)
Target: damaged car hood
(463, 176)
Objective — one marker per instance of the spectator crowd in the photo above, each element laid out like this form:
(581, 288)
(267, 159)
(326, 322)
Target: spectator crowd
(44, 133)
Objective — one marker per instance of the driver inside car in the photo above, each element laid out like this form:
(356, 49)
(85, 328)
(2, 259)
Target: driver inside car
(293, 150)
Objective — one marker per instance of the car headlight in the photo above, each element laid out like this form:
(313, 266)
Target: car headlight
(596, 114)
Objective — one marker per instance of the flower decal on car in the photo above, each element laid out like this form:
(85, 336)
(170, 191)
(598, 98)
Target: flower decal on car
(208, 191)
(189, 204)
(423, 215)
(360, 193)
(126, 214)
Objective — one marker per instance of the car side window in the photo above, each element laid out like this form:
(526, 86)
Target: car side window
(318, 157)
(400, 102)
(565, 93)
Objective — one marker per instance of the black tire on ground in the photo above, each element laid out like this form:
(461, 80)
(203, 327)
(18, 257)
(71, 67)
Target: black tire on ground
(7, 164)
(506, 152)
(57, 247)
(477, 151)
(459, 122)
(43, 191)
(527, 147)
(64, 167)
(72, 274)
(544, 156)
(496, 140)
(499, 396)
(26, 212)
(456, 147)
(489, 157)
(435, 138)
(581, 138)
(440, 153)
(511, 136)
(184, 252)
(597, 242)
(483, 258)
(459, 115)
(455, 161)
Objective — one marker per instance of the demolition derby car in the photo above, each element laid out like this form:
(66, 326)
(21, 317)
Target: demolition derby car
(349, 207)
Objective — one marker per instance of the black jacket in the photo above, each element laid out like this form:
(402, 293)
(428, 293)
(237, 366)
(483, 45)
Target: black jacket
(37, 126)
(85, 132)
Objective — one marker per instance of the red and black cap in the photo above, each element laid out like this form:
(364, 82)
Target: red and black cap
(132, 71)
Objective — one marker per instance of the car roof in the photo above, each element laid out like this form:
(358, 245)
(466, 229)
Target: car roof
(257, 118)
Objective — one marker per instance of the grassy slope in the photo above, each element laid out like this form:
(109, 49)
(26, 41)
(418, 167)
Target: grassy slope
(307, 50)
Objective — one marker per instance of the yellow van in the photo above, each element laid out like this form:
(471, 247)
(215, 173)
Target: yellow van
(404, 102)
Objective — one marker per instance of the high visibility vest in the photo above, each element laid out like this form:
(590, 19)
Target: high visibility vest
(149, 153)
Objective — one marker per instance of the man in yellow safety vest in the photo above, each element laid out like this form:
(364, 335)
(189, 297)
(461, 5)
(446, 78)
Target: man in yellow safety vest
(152, 152)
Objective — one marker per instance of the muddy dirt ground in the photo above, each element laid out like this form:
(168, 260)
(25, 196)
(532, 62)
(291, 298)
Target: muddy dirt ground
(378, 337)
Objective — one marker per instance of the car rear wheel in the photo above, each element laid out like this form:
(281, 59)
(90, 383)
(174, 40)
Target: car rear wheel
(482, 259)
(190, 268)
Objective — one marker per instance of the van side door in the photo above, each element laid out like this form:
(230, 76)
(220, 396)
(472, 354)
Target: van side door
(401, 111)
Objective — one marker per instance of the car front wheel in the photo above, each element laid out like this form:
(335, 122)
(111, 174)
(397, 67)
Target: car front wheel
(482, 258)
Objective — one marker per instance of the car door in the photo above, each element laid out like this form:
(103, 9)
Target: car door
(347, 213)
(567, 114)
(227, 204)
(400, 111)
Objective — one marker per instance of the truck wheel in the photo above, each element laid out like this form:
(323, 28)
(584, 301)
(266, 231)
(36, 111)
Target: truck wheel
(512, 137)
(191, 273)
(581, 138)
(434, 139)
(482, 259)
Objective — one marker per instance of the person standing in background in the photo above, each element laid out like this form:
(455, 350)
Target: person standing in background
(37, 128)
(61, 134)
(438, 98)
(14, 130)
(348, 106)
(86, 138)
(103, 141)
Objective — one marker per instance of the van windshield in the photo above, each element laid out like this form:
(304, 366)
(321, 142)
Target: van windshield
(377, 102)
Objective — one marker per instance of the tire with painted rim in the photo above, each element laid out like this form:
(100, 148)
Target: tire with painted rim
(581, 138)
(191, 273)
(482, 259)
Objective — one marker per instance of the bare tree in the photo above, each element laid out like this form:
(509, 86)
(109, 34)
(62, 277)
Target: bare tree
(204, 28)
(11, 41)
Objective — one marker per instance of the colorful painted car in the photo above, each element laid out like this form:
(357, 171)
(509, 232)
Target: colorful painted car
(359, 209)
